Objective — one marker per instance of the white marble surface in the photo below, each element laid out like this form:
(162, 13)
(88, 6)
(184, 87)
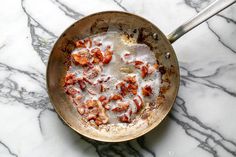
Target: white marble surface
(202, 122)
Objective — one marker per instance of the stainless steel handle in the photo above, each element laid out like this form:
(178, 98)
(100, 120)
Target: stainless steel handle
(202, 16)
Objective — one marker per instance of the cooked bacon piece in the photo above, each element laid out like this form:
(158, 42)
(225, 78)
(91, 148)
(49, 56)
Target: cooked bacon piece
(80, 44)
(97, 54)
(104, 117)
(71, 91)
(79, 59)
(102, 89)
(91, 92)
(77, 100)
(107, 56)
(147, 90)
(137, 64)
(81, 83)
(93, 72)
(87, 80)
(81, 109)
(97, 43)
(144, 71)
(139, 104)
(69, 79)
(130, 79)
(127, 55)
(105, 105)
(91, 116)
(116, 97)
(88, 42)
(91, 104)
(69, 76)
(123, 88)
(122, 106)
(133, 89)
(124, 118)
(102, 98)
(98, 121)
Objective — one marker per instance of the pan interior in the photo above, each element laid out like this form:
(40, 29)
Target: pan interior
(101, 22)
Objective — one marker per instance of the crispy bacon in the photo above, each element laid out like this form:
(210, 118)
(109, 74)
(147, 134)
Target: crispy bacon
(133, 89)
(88, 81)
(71, 91)
(116, 97)
(124, 118)
(91, 116)
(82, 84)
(102, 98)
(123, 89)
(88, 43)
(147, 90)
(79, 59)
(139, 104)
(91, 104)
(130, 79)
(80, 44)
(137, 64)
(144, 71)
(102, 89)
(69, 79)
(107, 56)
(98, 121)
(97, 54)
(97, 43)
(122, 106)
(91, 92)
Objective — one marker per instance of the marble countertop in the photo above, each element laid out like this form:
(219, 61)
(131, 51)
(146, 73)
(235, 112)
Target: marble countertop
(201, 123)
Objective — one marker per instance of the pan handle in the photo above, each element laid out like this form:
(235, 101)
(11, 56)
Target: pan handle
(202, 16)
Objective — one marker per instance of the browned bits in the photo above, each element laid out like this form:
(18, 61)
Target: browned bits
(147, 90)
(162, 69)
(161, 99)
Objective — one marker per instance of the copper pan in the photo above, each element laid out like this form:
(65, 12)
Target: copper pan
(149, 34)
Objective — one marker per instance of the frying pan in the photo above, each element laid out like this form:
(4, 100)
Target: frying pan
(148, 34)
